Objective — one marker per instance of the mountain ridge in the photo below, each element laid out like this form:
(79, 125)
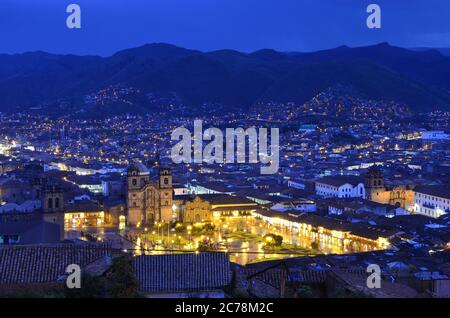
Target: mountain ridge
(418, 78)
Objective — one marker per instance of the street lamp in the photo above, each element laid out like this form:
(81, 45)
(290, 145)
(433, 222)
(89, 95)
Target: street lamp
(189, 228)
(159, 231)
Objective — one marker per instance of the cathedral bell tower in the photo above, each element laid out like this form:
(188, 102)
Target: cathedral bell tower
(137, 203)
(165, 178)
(53, 206)
(165, 194)
(374, 183)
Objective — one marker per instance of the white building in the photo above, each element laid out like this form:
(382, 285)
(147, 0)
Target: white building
(340, 187)
(26, 207)
(432, 201)
(296, 205)
(307, 129)
(435, 135)
(296, 185)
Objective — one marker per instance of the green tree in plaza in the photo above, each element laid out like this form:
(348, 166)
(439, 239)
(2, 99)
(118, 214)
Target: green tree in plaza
(273, 240)
(207, 245)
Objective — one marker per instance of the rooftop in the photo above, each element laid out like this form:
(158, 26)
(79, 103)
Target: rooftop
(41, 264)
(338, 181)
(437, 191)
(182, 272)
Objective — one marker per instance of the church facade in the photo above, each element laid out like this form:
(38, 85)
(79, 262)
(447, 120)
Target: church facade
(204, 208)
(148, 200)
(376, 190)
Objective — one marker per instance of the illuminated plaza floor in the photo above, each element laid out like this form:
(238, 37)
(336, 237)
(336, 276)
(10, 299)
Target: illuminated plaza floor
(242, 238)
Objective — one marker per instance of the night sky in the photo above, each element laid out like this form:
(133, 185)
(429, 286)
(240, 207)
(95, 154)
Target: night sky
(245, 25)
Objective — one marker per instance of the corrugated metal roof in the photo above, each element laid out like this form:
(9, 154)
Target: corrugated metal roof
(39, 264)
(182, 272)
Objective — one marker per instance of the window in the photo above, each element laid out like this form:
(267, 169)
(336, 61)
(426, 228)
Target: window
(134, 182)
(57, 203)
(50, 203)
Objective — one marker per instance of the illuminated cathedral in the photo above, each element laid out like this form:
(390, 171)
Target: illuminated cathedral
(148, 200)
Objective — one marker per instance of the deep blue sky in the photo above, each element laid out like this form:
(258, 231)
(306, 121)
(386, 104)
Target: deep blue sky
(246, 25)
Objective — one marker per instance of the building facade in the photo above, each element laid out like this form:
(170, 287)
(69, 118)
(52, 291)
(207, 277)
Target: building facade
(432, 201)
(197, 210)
(149, 201)
(340, 187)
(205, 208)
(328, 233)
(376, 190)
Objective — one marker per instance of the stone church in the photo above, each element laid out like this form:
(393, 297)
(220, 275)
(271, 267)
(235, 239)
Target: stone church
(376, 190)
(149, 200)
